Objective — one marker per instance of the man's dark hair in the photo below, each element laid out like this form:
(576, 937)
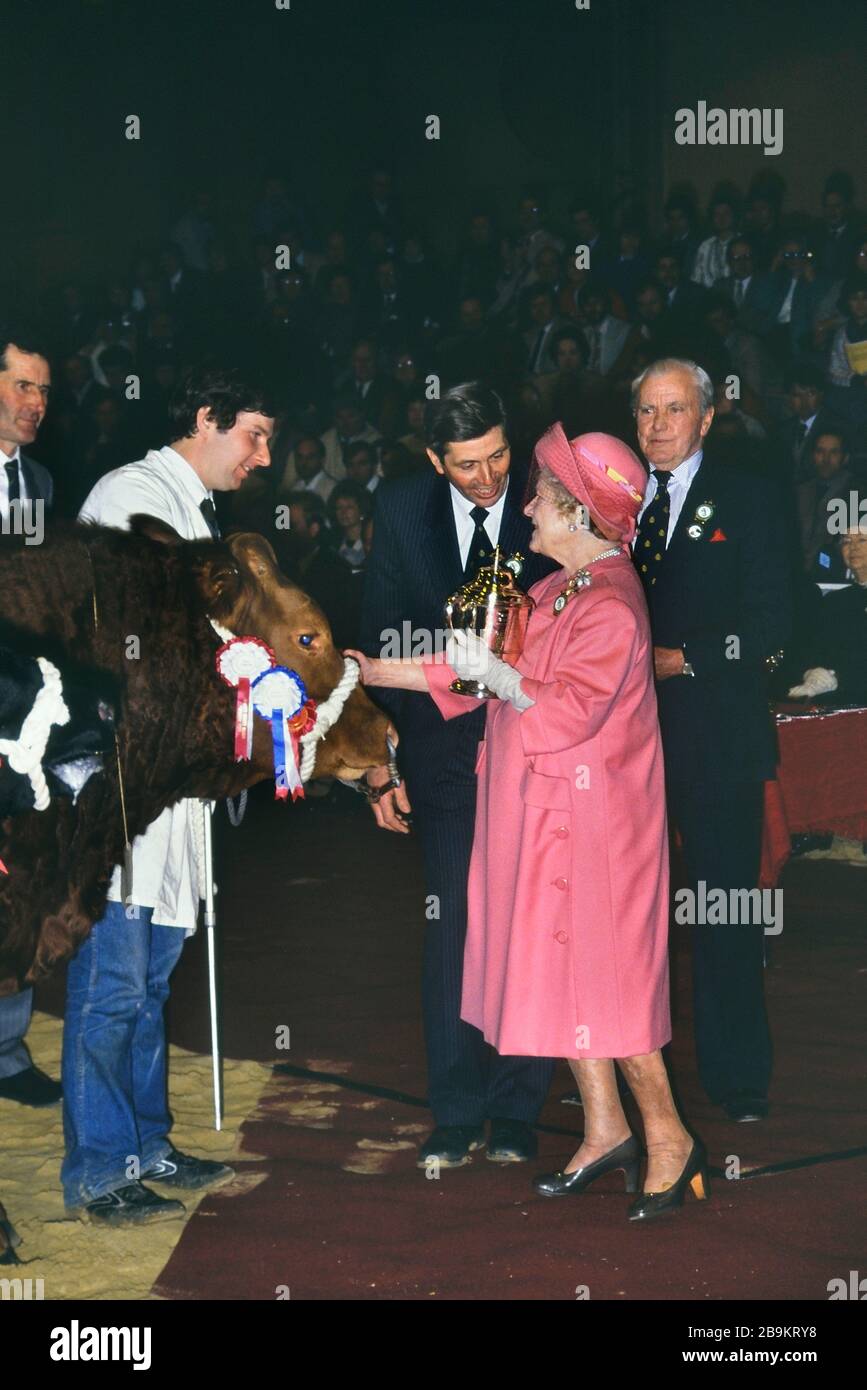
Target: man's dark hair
(464, 412)
(594, 289)
(805, 374)
(837, 431)
(570, 334)
(743, 237)
(311, 505)
(23, 334)
(310, 439)
(361, 446)
(225, 391)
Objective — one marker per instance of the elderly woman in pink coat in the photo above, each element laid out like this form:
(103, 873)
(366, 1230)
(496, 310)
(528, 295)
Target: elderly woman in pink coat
(566, 951)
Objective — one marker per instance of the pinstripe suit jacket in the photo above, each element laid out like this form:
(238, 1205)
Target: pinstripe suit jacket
(414, 566)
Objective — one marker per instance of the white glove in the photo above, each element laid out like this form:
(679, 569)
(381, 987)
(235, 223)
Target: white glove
(817, 681)
(473, 660)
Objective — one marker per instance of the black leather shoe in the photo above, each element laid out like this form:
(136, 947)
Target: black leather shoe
(693, 1175)
(182, 1170)
(31, 1087)
(451, 1145)
(627, 1157)
(512, 1141)
(743, 1106)
(132, 1205)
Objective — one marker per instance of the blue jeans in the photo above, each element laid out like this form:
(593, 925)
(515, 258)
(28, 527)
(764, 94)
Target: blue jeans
(15, 1011)
(115, 1096)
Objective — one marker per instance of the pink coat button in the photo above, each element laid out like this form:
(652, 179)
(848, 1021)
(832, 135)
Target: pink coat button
(561, 883)
(561, 832)
(562, 937)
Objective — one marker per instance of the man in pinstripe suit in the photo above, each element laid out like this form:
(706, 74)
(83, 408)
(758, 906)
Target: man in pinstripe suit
(432, 531)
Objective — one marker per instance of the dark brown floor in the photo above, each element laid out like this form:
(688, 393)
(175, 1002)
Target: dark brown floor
(322, 919)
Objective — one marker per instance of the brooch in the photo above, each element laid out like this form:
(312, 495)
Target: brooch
(582, 579)
(703, 514)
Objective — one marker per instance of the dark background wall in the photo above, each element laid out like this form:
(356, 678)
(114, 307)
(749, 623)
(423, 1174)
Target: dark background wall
(542, 91)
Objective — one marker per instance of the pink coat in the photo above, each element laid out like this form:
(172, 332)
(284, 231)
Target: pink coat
(566, 952)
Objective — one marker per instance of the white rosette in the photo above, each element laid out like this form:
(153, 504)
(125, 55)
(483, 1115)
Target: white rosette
(278, 695)
(240, 663)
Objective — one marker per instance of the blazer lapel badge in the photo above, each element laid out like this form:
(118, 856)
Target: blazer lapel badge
(703, 514)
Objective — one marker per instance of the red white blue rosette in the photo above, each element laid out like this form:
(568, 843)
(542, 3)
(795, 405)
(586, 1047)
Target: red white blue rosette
(280, 696)
(240, 662)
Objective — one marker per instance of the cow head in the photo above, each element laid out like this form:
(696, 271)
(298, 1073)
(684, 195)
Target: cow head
(244, 590)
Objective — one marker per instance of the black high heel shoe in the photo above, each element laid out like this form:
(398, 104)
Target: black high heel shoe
(694, 1175)
(627, 1156)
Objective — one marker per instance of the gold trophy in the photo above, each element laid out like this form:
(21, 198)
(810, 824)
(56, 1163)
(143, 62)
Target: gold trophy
(492, 606)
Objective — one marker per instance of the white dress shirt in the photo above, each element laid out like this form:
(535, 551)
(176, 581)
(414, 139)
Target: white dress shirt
(680, 481)
(466, 527)
(162, 484)
(785, 314)
(4, 481)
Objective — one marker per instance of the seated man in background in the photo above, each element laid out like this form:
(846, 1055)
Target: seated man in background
(831, 483)
(837, 654)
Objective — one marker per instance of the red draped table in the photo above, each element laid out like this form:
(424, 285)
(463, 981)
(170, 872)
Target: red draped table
(822, 782)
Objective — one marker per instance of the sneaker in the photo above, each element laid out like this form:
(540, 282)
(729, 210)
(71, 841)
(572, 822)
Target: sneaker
(132, 1205)
(182, 1170)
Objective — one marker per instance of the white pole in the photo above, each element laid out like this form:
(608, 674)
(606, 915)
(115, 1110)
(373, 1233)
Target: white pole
(210, 927)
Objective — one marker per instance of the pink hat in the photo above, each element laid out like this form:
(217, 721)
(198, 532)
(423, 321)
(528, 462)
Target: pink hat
(601, 472)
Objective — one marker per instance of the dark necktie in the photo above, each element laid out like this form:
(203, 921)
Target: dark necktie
(209, 512)
(14, 480)
(481, 549)
(653, 531)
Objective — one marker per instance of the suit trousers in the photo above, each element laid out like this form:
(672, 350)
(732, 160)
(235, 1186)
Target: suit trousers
(720, 825)
(468, 1081)
(15, 1011)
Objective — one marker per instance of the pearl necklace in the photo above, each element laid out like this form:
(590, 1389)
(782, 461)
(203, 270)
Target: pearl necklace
(581, 580)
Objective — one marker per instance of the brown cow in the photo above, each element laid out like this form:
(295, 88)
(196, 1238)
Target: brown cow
(81, 596)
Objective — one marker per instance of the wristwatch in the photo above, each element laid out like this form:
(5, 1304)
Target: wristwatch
(687, 666)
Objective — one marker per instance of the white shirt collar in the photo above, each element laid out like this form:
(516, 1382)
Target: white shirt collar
(463, 504)
(185, 473)
(8, 458)
(683, 474)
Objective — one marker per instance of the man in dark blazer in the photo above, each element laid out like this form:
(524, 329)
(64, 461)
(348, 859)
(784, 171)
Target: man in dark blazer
(431, 533)
(715, 568)
(25, 381)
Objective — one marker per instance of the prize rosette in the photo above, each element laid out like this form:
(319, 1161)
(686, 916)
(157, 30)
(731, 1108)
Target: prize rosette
(239, 663)
(280, 696)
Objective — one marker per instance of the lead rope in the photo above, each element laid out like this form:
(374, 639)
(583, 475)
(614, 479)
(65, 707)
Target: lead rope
(126, 876)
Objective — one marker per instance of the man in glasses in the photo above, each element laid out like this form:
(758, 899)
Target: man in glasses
(794, 298)
(748, 291)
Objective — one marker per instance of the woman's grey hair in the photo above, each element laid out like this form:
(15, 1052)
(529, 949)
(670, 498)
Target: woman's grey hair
(567, 505)
(703, 383)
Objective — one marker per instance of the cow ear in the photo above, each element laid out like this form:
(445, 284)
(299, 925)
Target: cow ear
(154, 529)
(254, 551)
(221, 582)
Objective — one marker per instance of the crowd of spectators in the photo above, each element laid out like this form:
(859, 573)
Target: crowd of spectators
(362, 323)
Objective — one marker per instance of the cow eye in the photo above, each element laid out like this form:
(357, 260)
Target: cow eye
(306, 638)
